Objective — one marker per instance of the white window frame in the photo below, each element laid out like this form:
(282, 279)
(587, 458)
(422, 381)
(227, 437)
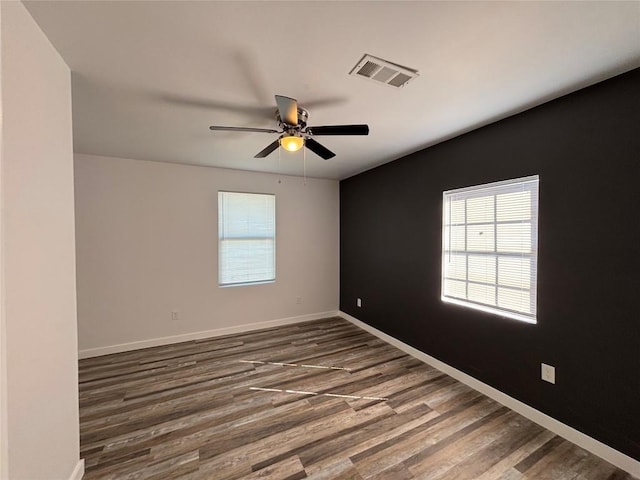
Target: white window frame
(527, 311)
(232, 267)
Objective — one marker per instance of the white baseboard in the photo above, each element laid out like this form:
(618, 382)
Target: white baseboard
(590, 444)
(78, 472)
(185, 337)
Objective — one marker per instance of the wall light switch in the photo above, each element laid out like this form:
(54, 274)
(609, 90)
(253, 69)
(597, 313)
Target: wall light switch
(548, 373)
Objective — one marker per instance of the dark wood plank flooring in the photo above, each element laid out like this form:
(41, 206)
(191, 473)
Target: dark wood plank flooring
(223, 408)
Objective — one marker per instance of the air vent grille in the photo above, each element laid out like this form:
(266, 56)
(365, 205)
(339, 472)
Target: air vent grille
(399, 80)
(368, 69)
(385, 74)
(383, 71)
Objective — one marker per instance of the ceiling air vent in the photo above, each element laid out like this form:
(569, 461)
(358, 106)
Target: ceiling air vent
(382, 71)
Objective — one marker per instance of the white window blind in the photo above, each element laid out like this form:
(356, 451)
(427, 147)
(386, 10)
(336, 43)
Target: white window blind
(247, 238)
(489, 247)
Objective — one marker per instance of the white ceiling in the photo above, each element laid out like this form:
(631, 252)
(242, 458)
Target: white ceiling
(150, 77)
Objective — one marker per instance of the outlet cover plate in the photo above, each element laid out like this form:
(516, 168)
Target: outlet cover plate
(548, 373)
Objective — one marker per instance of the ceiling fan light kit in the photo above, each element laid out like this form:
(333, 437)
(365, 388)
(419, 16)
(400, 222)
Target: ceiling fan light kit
(292, 143)
(294, 133)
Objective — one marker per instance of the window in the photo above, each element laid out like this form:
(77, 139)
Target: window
(489, 247)
(247, 238)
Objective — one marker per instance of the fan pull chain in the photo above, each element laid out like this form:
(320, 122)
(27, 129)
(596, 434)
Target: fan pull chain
(279, 165)
(304, 164)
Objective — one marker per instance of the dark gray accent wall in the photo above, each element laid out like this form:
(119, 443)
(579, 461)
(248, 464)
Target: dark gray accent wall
(586, 148)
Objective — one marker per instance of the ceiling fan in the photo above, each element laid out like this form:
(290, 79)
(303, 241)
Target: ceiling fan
(294, 132)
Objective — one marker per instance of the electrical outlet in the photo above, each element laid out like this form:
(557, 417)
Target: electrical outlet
(174, 315)
(298, 300)
(358, 302)
(548, 373)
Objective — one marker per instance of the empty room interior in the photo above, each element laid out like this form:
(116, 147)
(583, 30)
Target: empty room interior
(385, 240)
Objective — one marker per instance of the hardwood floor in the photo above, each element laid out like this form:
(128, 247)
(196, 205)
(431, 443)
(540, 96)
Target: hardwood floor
(344, 405)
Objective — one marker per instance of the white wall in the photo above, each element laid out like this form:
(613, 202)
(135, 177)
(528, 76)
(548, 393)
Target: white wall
(146, 237)
(4, 453)
(38, 253)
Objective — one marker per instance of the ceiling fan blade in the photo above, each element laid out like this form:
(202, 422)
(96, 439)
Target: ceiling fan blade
(339, 130)
(242, 129)
(288, 109)
(255, 111)
(318, 149)
(324, 102)
(268, 149)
